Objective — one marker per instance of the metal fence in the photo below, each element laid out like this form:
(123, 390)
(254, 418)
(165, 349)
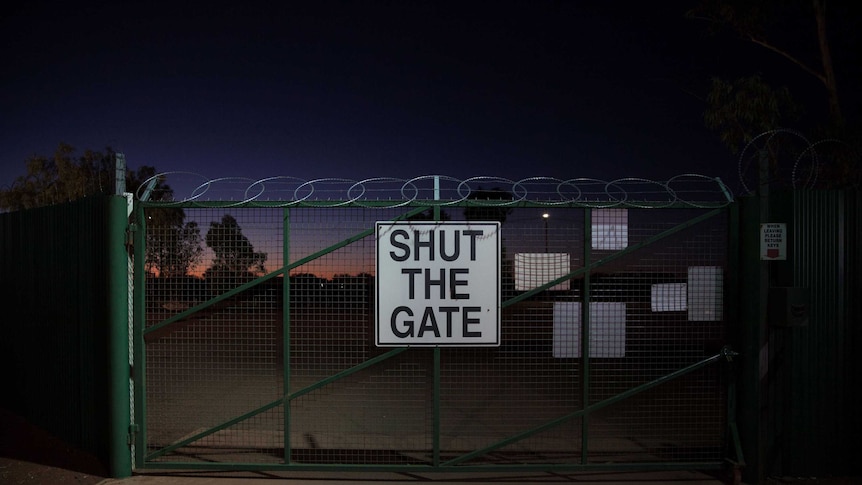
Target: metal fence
(65, 335)
(261, 352)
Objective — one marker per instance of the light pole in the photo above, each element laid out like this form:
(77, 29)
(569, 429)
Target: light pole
(545, 216)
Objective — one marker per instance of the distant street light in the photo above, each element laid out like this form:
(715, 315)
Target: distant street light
(545, 216)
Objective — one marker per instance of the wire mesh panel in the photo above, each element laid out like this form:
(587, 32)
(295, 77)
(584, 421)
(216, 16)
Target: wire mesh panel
(375, 415)
(654, 314)
(219, 361)
(259, 341)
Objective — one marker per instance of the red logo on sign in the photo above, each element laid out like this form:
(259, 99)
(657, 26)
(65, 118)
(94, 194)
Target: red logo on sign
(772, 253)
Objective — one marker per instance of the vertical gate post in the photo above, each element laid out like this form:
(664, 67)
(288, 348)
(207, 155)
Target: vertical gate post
(435, 439)
(139, 364)
(285, 335)
(750, 329)
(585, 336)
(119, 459)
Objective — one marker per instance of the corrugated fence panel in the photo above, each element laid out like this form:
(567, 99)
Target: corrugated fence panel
(54, 293)
(853, 330)
(814, 369)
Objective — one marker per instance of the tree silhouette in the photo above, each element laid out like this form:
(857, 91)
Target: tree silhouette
(235, 258)
(488, 205)
(173, 246)
(742, 109)
(65, 177)
(428, 215)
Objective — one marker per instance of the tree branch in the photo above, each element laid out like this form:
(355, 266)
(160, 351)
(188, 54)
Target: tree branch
(826, 60)
(789, 57)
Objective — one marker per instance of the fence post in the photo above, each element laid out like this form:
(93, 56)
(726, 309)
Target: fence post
(585, 335)
(119, 174)
(750, 327)
(285, 334)
(119, 459)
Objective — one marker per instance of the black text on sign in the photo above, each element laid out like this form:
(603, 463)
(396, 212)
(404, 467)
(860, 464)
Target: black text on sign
(438, 284)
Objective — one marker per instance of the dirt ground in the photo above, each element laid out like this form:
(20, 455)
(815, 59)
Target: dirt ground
(32, 456)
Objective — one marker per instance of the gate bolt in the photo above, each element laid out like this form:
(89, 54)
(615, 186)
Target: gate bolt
(728, 354)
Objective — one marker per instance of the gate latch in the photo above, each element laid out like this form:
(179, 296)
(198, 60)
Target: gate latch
(728, 353)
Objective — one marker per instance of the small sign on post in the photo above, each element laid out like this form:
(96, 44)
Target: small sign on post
(773, 241)
(438, 283)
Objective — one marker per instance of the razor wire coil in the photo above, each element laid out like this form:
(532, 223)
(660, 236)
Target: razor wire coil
(688, 189)
(691, 189)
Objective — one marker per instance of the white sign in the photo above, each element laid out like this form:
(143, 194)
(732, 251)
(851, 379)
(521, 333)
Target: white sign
(607, 329)
(705, 293)
(669, 297)
(536, 269)
(610, 229)
(773, 241)
(438, 283)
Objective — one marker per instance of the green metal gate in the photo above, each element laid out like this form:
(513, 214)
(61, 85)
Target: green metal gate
(261, 354)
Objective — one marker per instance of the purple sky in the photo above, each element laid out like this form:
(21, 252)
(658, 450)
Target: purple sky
(368, 89)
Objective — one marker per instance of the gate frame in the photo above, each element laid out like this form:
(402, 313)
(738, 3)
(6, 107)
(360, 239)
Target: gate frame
(142, 460)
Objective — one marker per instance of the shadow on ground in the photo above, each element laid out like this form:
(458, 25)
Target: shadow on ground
(30, 455)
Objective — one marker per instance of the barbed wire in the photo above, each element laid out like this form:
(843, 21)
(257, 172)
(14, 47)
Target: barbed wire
(745, 157)
(760, 162)
(690, 189)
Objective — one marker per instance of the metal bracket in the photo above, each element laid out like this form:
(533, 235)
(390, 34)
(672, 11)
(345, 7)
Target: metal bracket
(133, 431)
(130, 235)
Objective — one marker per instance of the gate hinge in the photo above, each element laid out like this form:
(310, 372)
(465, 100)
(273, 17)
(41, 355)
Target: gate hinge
(130, 235)
(133, 431)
